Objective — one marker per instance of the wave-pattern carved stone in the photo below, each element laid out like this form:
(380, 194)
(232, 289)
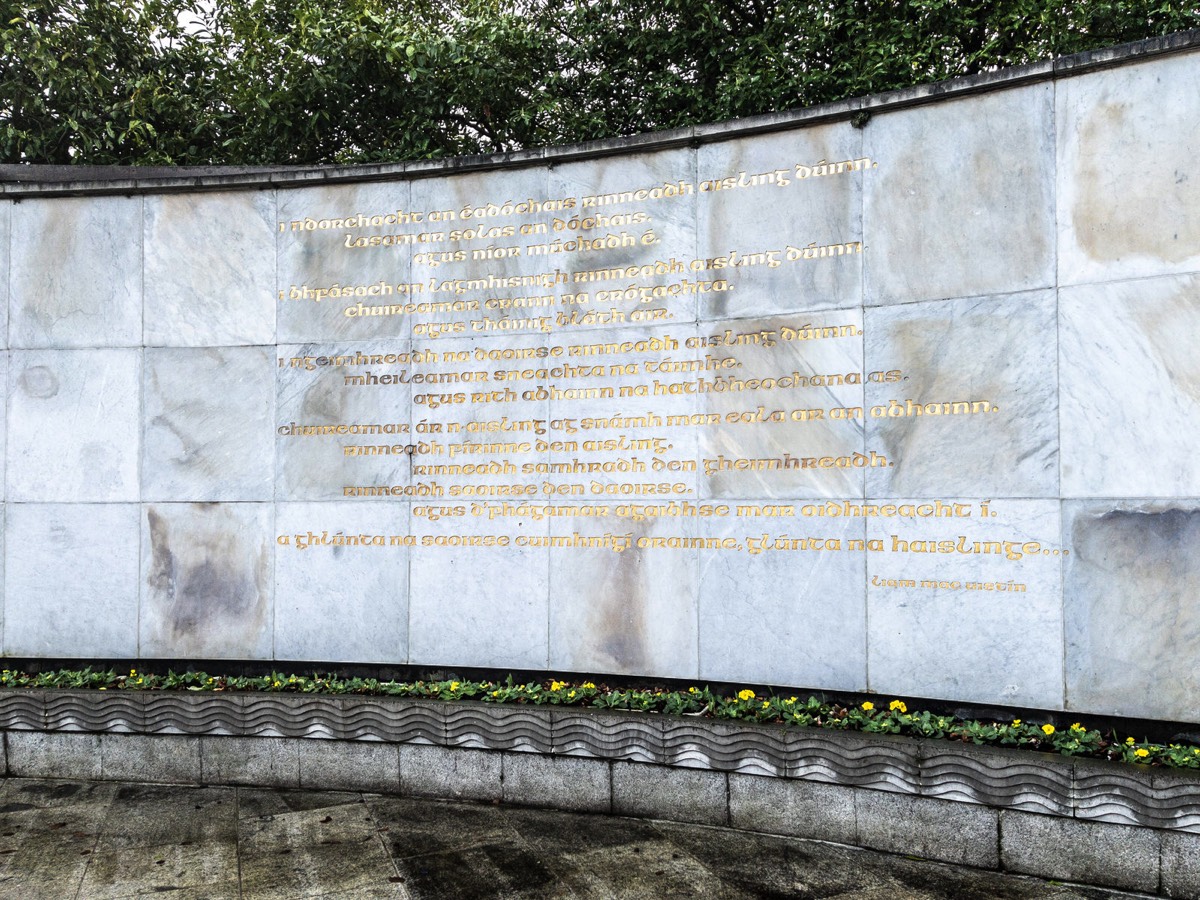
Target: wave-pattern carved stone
(378, 719)
(194, 714)
(608, 736)
(120, 713)
(499, 728)
(726, 748)
(22, 710)
(1109, 794)
(295, 717)
(1178, 797)
(879, 763)
(996, 779)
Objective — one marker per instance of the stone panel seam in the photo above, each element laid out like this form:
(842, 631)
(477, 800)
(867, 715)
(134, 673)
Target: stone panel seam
(728, 802)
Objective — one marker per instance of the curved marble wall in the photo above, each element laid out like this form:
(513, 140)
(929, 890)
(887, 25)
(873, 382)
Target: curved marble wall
(899, 395)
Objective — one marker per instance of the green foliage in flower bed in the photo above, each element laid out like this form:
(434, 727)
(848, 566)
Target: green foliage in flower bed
(746, 705)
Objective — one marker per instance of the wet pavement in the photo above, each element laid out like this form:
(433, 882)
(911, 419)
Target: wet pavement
(61, 839)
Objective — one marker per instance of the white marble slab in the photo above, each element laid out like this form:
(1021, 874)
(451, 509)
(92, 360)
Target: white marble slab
(4, 357)
(344, 418)
(962, 203)
(480, 429)
(657, 230)
(76, 276)
(1128, 176)
(619, 607)
(338, 596)
(788, 605)
(71, 580)
(210, 269)
(1130, 375)
(478, 254)
(987, 367)
(620, 415)
(776, 195)
(1129, 602)
(478, 605)
(792, 415)
(207, 424)
(318, 252)
(73, 429)
(967, 606)
(207, 580)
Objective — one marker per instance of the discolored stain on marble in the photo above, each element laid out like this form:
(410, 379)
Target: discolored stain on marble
(76, 273)
(72, 425)
(316, 466)
(962, 203)
(1129, 187)
(1132, 624)
(39, 382)
(207, 432)
(631, 611)
(207, 577)
(317, 260)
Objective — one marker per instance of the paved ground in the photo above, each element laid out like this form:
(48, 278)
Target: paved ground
(63, 839)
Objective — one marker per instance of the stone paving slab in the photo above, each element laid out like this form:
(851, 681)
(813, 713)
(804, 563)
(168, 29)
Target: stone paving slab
(118, 841)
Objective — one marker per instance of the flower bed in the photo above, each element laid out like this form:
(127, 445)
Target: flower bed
(746, 705)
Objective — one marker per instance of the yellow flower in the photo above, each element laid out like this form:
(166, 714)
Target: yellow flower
(495, 693)
(1130, 740)
(1048, 729)
(898, 705)
(766, 703)
(693, 690)
(557, 685)
(570, 695)
(746, 694)
(1141, 752)
(454, 685)
(1016, 723)
(132, 672)
(589, 685)
(868, 706)
(1077, 727)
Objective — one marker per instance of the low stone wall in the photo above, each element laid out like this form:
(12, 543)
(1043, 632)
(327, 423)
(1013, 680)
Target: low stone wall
(1038, 814)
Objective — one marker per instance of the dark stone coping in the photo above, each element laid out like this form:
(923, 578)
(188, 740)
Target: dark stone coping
(21, 181)
(999, 778)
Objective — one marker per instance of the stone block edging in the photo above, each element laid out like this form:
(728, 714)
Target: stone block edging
(1039, 814)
